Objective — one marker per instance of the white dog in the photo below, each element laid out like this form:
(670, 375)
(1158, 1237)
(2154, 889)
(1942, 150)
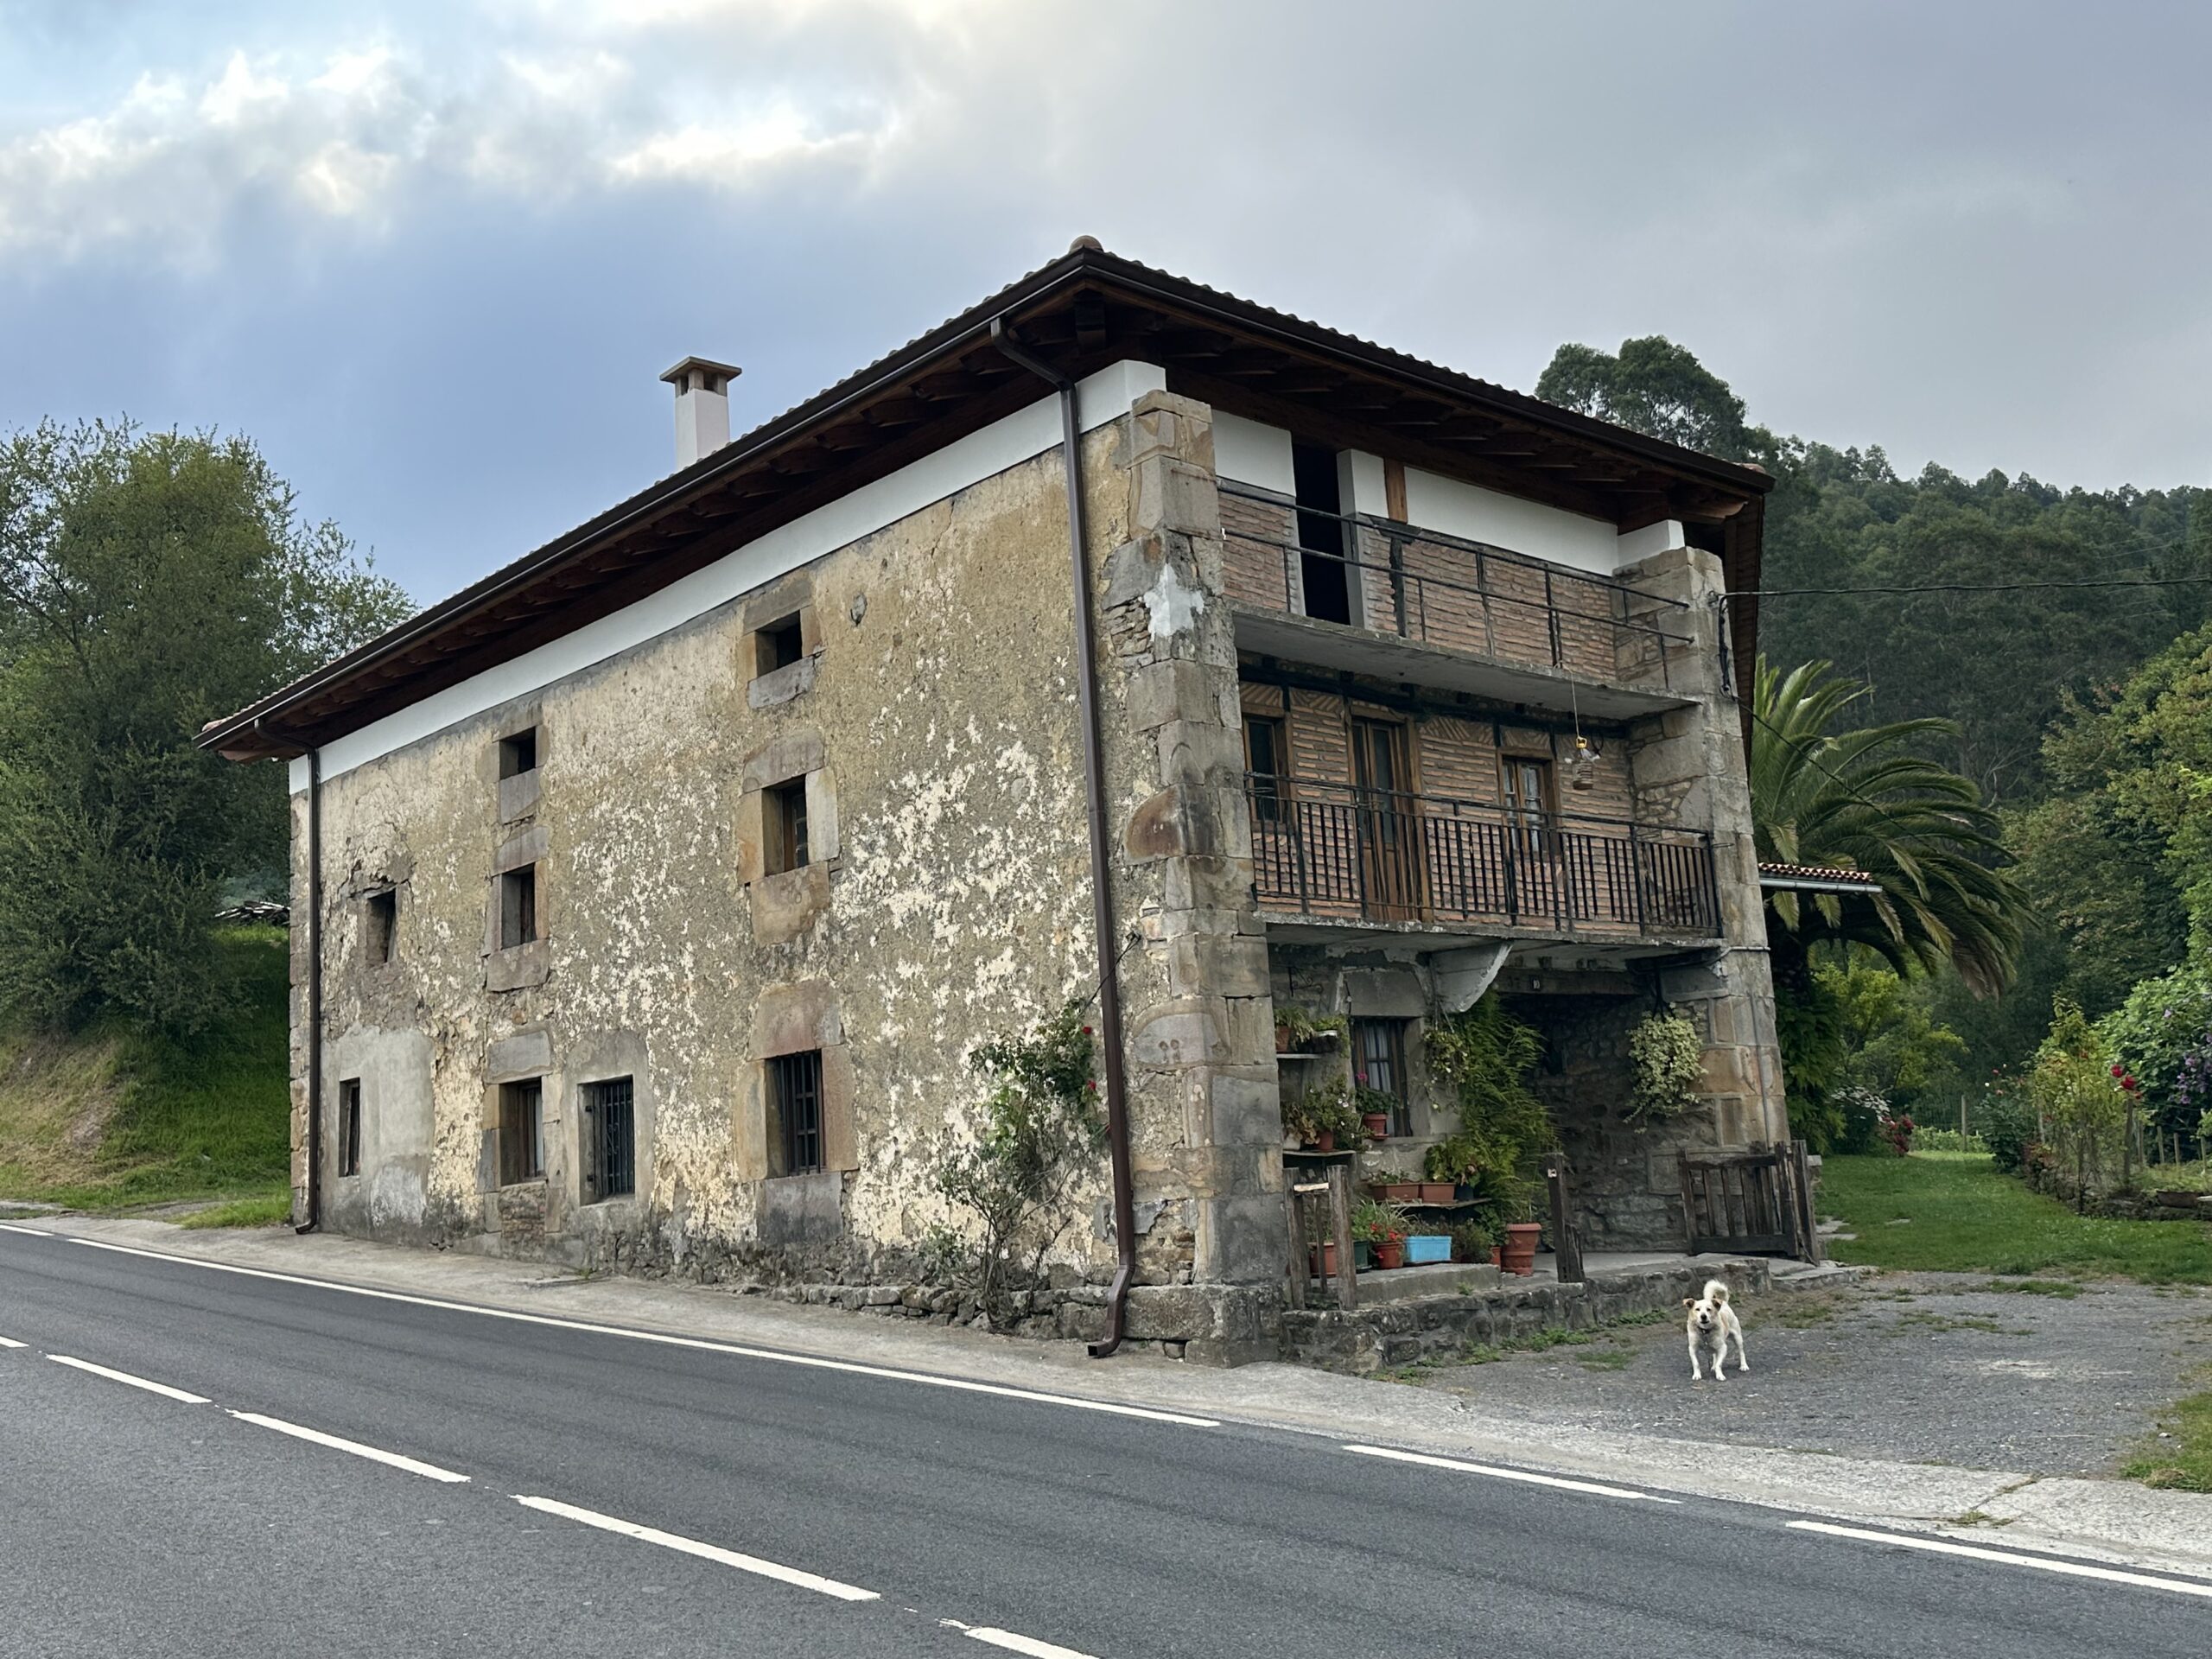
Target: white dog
(1712, 1322)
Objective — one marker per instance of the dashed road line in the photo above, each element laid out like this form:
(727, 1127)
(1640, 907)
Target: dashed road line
(9, 1342)
(1013, 1641)
(375, 1454)
(162, 1389)
(1526, 1477)
(2006, 1558)
(753, 1564)
(851, 1368)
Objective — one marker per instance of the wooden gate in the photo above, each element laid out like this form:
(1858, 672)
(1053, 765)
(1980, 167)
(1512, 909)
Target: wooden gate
(1753, 1203)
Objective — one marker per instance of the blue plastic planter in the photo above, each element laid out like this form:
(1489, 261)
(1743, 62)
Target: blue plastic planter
(1426, 1247)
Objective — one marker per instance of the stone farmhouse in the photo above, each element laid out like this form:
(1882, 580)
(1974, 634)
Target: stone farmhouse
(650, 894)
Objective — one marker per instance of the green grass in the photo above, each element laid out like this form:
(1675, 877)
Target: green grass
(271, 1212)
(2183, 1463)
(111, 1119)
(1955, 1213)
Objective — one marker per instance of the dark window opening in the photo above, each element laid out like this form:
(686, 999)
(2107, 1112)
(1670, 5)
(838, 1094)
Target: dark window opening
(609, 1120)
(519, 753)
(1263, 758)
(382, 925)
(522, 1131)
(795, 1091)
(785, 812)
(518, 907)
(349, 1126)
(1529, 801)
(779, 644)
(1320, 533)
(1379, 1048)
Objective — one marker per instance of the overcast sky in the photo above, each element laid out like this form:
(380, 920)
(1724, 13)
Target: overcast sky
(434, 256)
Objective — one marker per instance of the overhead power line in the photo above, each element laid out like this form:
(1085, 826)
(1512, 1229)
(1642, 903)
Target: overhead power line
(1976, 587)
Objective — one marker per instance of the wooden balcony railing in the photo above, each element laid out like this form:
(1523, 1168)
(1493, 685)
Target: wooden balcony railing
(1442, 590)
(1336, 851)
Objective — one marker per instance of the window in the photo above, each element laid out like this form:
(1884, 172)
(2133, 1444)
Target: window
(779, 644)
(518, 907)
(349, 1126)
(795, 1093)
(1528, 799)
(609, 1121)
(1263, 759)
(1321, 532)
(522, 1131)
(383, 916)
(784, 823)
(1378, 1050)
(519, 753)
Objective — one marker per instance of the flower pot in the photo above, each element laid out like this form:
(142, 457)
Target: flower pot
(1282, 1040)
(1378, 1125)
(1462, 1193)
(1425, 1247)
(1391, 1253)
(1360, 1255)
(1520, 1249)
(1397, 1192)
(1494, 1258)
(1325, 1141)
(1436, 1191)
(1321, 1259)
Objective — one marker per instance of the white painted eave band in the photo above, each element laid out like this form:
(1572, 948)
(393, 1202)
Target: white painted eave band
(1022, 436)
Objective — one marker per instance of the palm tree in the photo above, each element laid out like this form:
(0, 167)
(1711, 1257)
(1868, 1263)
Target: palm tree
(1863, 800)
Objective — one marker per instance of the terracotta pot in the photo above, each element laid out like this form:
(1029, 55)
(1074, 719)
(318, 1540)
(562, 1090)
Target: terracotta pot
(1391, 1253)
(1398, 1191)
(1321, 1259)
(1282, 1040)
(1378, 1125)
(1436, 1191)
(1494, 1258)
(1520, 1249)
(1325, 1141)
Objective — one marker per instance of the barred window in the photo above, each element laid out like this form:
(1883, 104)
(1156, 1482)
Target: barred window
(610, 1119)
(795, 1090)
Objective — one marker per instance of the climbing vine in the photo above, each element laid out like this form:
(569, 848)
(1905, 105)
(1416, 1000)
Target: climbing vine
(1666, 1056)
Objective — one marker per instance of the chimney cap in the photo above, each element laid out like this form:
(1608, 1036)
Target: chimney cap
(682, 373)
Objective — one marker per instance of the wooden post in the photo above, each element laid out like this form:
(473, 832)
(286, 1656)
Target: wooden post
(1808, 1219)
(1963, 1122)
(1340, 1214)
(1689, 1203)
(1564, 1242)
(1296, 1205)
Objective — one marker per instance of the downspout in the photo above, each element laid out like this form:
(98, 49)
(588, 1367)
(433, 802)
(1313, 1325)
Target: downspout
(315, 993)
(1101, 891)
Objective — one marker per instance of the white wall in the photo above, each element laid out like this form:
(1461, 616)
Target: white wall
(1507, 521)
(1029, 432)
(1245, 452)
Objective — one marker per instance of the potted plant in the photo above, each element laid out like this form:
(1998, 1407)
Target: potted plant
(1449, 1165)
(1300, 1032)
(1470, 1242)
(1375, 1109)
(1298, 1128)
(1518, 1254)
(1326, 1109)
(1427, 1242)
(1382, 1228)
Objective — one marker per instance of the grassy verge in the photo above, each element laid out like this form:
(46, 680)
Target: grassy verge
(270, 1212)
(111, 1119)
(2183, 1463)
(1955, 1213)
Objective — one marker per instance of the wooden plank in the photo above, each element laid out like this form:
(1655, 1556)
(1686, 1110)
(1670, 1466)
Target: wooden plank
(1568, 1248)
(1340, 1216)
(1299, 1268)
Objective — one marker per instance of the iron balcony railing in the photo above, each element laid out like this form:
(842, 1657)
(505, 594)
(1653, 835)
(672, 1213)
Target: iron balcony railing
(1337, 850)
(1443, 590)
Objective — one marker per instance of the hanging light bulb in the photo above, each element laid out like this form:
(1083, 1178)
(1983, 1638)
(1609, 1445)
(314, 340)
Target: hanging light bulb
(1582, 765)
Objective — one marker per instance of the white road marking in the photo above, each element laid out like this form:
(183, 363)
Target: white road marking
(2072, 1569)
(135, 1381)
(30, 1232)
(775, 1570)
(1496, 1473)
(9, 1342)
(1015, 1643)
(850, 1367)
(428, 1470)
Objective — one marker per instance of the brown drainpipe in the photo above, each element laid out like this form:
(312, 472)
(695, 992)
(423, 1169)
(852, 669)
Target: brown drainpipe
(314, 986)
(1101, 891)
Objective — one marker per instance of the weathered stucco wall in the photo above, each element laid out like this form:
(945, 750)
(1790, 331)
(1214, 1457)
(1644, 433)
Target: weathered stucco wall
(933, 718)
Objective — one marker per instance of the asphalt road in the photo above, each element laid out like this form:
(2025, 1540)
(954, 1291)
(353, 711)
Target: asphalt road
(856, 1512)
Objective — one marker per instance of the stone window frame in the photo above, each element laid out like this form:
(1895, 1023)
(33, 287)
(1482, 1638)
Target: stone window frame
(511, 967)
(788, 603)
(785, 903)
(789, 1020)
(347, 1146)
(512, 1170)
(519, 792)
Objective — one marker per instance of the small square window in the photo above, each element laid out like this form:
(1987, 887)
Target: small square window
(382, 918)
(522, 1131)
(349, 1126)
(779, 644)
(784, 821)
(610, 1121)
(518, 906)
(519, 753)
(795, 1092)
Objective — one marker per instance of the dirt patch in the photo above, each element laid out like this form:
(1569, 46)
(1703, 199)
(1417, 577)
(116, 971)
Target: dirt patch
(58, 1101)
(1934, 1367)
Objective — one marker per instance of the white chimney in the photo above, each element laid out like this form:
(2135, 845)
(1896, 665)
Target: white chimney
(701, 407)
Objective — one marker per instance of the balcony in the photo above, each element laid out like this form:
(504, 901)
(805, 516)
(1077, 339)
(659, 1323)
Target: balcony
(1339, 852)
(1411, 604)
